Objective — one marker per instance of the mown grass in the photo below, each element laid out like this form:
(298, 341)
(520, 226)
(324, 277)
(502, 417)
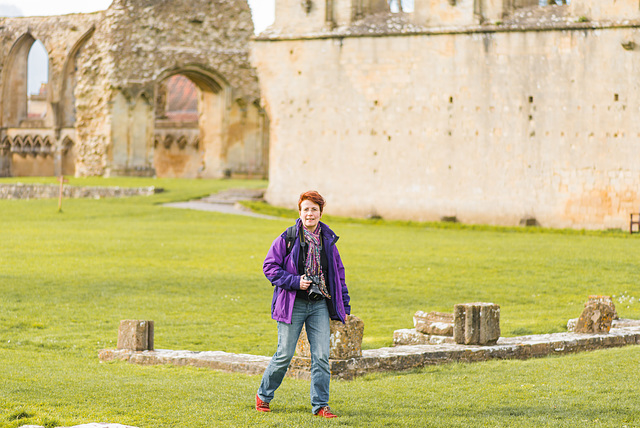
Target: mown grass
(68, 278)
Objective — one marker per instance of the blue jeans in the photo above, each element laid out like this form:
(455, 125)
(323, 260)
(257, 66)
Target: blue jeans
(315, 317)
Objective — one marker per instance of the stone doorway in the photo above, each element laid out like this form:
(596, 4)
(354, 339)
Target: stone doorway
(183, 116)
(201, 130)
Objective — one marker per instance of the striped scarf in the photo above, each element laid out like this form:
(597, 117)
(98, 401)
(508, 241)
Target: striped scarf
(313, 264)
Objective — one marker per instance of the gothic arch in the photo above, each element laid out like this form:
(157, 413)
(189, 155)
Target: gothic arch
(188, 150)
(205, 78)
(65, 114)
(14, 82)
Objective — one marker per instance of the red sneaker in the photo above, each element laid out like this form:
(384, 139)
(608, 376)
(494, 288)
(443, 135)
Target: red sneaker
(262, 406)
(325, 412)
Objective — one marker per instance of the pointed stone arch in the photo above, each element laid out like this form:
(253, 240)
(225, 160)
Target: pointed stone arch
(14, 82)
(16, 147)
(5, 146)
(201, 158)
(47, 148)
(65, 115)
(27, 148)
(203, 77)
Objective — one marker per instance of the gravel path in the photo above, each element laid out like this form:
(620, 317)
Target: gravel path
(226, 202)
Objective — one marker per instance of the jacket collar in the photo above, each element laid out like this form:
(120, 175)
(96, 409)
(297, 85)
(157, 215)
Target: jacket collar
(328, 234)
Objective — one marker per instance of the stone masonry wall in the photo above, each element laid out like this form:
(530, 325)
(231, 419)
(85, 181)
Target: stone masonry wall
(531, 117)
(49, 191)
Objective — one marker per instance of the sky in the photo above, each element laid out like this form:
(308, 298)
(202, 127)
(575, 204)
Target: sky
(263, 12)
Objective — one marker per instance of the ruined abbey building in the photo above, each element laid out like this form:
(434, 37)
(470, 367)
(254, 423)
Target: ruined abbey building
(105, 105)
(484, 111)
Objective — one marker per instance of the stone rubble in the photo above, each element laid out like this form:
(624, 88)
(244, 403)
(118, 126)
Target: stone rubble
(411, 336)
(433, 323)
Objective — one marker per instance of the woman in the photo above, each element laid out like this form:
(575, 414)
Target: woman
(309, 290)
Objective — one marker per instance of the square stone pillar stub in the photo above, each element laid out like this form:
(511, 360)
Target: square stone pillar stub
(135, 335)
(476, 323)
(346, 340)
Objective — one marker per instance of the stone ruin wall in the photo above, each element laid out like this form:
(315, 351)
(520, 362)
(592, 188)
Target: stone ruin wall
(107, 72)
(31, 145)
(500, 115)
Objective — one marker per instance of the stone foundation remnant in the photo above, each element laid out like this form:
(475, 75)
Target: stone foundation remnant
(476, 323)
(135, 335)
(50, 191)
(346, 340)
(433, 323)
(597, 316)
(398, 358)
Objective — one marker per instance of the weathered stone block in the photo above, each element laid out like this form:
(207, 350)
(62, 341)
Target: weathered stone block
(410, 336)
(135, 335)
(434, 323)
(607, 300)
(476, 323)
(346, 340)
(596, 317)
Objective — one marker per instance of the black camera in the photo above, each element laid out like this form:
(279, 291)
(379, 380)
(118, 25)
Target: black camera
(313, 291)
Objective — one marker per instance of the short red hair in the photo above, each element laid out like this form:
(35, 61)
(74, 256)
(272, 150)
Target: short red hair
(313, 196)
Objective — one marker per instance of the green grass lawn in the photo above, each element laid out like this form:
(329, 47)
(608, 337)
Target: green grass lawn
(67, 279)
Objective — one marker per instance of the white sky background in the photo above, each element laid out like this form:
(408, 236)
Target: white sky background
(262, 11)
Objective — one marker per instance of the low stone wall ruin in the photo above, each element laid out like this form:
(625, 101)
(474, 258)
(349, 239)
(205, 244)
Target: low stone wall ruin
(397, 358)
(49, 191)
(478, 340)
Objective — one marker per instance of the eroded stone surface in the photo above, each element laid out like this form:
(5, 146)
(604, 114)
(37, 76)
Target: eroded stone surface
(136, 335)
(595, 318)
(433, 323)
(476, 323)
(346, 339)
(410, 336)
(607, 300)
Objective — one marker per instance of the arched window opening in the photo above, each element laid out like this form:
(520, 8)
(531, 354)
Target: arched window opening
(37, 81)
(179, 104)
(182, 99)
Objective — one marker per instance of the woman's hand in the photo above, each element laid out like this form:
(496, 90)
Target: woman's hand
(304, 283)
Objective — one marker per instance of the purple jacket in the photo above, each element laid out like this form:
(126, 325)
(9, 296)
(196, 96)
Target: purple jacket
(281, 269)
